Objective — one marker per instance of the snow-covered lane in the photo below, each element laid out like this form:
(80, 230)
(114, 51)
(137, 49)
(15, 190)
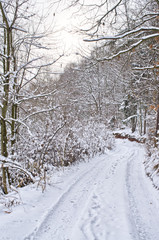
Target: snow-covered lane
(143, 200)
(107, 198)
(112, 199)
(107, 216)
(60, 221)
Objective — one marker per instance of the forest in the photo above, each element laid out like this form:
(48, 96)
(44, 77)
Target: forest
(52, 120)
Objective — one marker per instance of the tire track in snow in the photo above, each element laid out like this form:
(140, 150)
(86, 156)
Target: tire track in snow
(100, 218)
(43, 225)
(139, 198)
(93, 171)
(90, 209)
(137, 224)
(90, 226)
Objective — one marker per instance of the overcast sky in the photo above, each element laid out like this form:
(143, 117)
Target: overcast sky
(64, 24)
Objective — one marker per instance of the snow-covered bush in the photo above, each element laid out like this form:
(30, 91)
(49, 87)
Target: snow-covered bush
(152, 160)
(152, 167)
(76, 142)
(83, 141)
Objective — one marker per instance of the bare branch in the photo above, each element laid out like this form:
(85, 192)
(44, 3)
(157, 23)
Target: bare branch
(117, 37)
(4, 15)
(146, 68)
(9, 163)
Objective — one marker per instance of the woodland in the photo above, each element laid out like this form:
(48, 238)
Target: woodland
(50, 121)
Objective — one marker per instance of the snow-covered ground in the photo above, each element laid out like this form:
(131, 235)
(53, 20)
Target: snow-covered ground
(107, 198)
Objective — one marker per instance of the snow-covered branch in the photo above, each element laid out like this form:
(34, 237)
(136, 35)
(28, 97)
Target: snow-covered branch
(142, 29)
(42, 111)
(133, 46)
(7, 162)
(121, 52)
(129, 118)
(24, 98)
(146, 68)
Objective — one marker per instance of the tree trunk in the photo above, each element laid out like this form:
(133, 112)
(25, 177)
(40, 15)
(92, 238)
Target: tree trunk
(133, 124)
(14, 104)
(157, 119)
(6, 71)
(145, 123)
(140, 117)
(13, 127)
(4, 180)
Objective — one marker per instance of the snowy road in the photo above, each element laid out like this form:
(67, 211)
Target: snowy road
(108, 199)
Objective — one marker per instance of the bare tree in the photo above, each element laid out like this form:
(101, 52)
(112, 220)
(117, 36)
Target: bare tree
(20, 65)
(129, 29)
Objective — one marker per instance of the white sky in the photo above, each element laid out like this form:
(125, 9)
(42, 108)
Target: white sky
(62, 25)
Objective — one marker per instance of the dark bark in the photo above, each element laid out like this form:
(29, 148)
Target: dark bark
(157, 118)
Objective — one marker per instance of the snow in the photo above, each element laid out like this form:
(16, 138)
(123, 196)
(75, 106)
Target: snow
(141, 29)
(108, 197)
